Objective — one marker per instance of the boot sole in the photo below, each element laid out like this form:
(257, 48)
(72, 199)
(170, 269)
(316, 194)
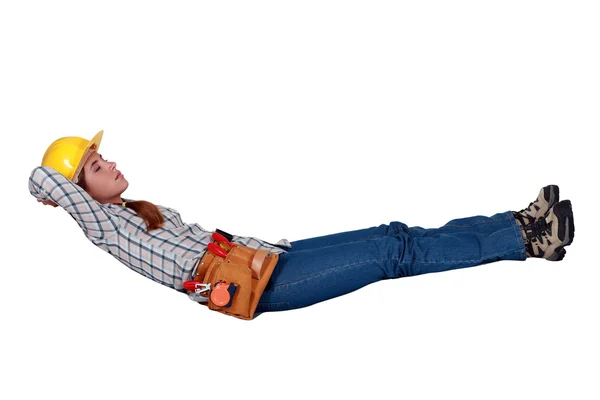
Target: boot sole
(566, 229)
(558, 255)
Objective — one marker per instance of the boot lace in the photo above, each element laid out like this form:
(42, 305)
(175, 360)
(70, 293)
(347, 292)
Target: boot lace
(538, 231)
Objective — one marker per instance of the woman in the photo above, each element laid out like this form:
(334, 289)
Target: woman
(154, 241)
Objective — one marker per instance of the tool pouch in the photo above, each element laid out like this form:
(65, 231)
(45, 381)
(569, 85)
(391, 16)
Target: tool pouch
(245, 273)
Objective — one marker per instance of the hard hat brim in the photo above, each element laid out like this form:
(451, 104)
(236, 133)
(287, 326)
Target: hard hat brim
(92, 146)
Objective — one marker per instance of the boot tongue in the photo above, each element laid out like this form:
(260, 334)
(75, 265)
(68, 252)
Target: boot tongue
(524, 219)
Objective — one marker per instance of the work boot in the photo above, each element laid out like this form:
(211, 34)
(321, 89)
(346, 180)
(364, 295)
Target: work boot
(546, 199)
(548, 235)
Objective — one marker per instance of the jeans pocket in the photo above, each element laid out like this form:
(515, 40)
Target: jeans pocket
(281, 306)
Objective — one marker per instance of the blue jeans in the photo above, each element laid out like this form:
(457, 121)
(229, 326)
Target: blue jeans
(324, 267)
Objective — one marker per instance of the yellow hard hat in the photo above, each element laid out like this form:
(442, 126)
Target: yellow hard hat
(67, 155)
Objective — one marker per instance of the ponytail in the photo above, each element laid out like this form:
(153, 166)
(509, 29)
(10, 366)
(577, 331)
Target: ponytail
(148, 211)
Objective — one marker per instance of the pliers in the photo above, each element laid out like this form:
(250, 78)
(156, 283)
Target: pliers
(197, 287)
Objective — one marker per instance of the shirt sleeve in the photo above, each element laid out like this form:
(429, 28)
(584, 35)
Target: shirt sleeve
(45, 183)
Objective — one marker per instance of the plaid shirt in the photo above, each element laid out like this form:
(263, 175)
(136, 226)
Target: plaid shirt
(167, 255)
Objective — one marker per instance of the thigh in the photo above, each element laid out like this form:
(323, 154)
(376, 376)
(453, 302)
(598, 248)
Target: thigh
(305, 277)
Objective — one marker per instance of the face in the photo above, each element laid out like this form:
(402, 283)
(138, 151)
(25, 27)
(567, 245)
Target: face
(102, 180)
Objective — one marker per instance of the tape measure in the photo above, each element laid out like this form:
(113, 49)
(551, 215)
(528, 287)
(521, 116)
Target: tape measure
(222, 293)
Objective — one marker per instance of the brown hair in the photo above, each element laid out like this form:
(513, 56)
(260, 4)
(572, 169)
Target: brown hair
(148, 211)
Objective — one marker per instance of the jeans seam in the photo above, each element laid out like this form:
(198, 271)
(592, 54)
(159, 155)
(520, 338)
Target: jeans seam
(476, 260)
(329, 271)
(480, 222)
(350, 241)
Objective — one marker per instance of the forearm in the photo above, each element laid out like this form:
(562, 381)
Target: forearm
(45, 184)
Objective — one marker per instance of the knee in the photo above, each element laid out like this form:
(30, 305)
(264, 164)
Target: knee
(397, 227)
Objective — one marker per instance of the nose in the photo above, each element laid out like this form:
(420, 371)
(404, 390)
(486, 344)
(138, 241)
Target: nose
(112, 165)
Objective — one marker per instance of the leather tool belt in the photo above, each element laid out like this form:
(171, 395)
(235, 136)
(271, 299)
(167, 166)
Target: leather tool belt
(230, 278)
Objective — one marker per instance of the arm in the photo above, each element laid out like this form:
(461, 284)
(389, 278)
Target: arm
(46, 183)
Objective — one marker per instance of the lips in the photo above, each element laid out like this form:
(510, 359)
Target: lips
(118, 175)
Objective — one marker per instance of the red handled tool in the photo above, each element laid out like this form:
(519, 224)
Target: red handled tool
(217, 250)
(197, 287)
(222, 241)
(221, 246)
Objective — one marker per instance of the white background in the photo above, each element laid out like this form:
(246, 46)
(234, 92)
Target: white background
(353, 113)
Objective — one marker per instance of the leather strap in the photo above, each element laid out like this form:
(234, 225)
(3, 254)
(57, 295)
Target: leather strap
(258, 262)
(203, 265)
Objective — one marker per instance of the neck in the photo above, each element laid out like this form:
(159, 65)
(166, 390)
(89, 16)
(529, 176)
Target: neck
(114, 200)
